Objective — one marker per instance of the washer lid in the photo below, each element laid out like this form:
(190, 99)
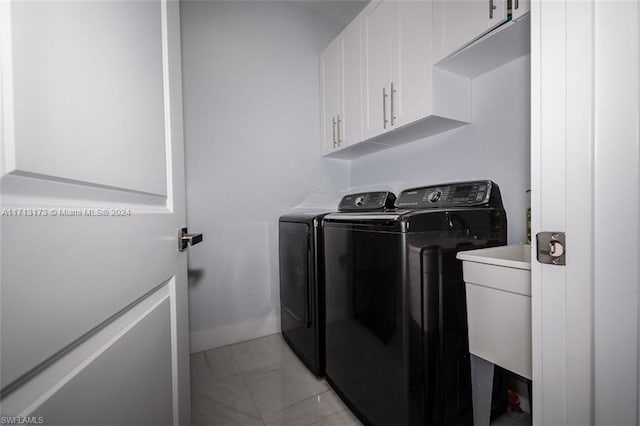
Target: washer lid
(477, 221)
(384, 216)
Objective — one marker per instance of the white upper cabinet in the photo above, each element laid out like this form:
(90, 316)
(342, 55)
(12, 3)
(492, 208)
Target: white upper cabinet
(413, 71)
(380, 42)
(400, 84)
(330, 95)
(350, 108)
(457, 23)
(341, 77)
(402, 70)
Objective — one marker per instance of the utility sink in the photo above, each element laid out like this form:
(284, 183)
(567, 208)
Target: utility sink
(498, 287)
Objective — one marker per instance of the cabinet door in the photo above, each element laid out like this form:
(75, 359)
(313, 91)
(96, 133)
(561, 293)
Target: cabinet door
(459, 22)
(350, 129)
(330, 91)
(519, 8)
(378, 36)
(412, 79)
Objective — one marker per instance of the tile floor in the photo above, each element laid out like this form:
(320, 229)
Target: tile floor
(261, 382)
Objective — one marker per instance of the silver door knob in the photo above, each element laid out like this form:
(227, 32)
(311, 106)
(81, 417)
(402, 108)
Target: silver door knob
(185, 239)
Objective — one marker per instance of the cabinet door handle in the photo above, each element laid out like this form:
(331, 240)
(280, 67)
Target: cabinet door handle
(392, 113)
(334, 131)
(492, 7)
(384, 108)
(339, 137)
(517, 4)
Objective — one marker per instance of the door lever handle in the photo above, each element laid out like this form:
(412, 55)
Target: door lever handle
(185, 239)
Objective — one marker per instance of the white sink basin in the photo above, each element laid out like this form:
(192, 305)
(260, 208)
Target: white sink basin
(515, 256)
(498, 287)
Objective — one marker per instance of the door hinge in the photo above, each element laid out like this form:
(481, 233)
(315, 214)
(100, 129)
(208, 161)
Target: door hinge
(552, 247)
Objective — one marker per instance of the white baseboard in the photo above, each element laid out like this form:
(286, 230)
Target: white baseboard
(210, 338)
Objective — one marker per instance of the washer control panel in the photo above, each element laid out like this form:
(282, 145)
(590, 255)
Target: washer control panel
(448, 195)
(369, 201)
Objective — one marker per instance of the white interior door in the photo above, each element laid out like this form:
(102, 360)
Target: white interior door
(586, 183)
(94, 295)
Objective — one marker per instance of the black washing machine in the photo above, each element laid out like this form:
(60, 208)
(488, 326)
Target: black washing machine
(302, 306)
(396, 327)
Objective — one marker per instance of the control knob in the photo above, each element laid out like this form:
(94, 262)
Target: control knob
(435, 196)
(359, 201)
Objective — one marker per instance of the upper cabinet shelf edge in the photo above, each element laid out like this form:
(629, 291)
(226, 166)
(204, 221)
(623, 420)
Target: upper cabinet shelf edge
(490, 37)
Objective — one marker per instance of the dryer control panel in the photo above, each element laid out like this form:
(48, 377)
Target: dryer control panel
(367, 201)
(459, 194)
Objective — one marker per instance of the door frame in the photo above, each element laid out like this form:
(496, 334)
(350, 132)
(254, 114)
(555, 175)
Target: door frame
(584, 129)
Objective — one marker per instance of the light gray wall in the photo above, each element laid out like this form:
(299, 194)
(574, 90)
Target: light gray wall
(251, 101)
(252, 136)
(495, 146)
